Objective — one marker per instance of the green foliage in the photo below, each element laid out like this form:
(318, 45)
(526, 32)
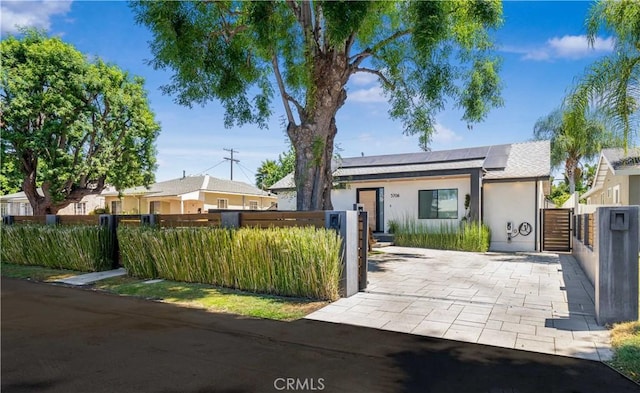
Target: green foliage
(35, 273)
(574, 136)
(213, 298)
(241, 53)
(625, 340)
(302, 262)
(71, 125)
(471, 236)
(613, 83)
(271, 171)
(83, 248)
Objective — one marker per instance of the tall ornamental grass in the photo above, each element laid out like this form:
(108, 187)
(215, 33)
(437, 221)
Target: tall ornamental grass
(83, 248)
(303, 262)
(446, 236)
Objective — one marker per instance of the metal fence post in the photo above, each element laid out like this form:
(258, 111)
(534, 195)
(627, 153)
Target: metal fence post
(111, 249)
(616, 284)
(230, 220)
(52, 219)
(346, 224)
(148, 220)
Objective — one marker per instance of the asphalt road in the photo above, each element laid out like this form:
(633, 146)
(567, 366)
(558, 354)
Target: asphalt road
(58, 339)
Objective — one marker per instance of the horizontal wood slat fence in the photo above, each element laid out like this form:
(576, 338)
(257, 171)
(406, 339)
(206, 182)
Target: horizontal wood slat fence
(227, 219)
(249, 219)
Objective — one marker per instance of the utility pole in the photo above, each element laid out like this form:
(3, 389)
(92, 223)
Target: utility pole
(231, 159)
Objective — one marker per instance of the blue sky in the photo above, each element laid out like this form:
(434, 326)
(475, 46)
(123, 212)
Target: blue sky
(542, 45)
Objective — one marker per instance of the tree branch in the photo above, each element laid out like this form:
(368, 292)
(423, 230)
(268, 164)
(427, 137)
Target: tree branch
(357, 59)
(374, 72)
(283, 93)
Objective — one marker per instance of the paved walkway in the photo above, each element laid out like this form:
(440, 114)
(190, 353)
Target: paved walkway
(534, 302)
(90, 278)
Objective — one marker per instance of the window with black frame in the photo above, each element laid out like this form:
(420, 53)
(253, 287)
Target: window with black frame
(438, 204)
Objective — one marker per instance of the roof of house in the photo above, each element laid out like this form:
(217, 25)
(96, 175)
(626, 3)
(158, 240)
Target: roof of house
(187, 184)
(509, 161)
(616, 161)
(18, 196)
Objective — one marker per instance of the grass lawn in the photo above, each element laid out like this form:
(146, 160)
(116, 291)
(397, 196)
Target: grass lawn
(35, 273)
(185, 294)
(625, 340)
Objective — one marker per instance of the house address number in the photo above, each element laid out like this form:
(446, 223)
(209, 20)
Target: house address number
(395, 195)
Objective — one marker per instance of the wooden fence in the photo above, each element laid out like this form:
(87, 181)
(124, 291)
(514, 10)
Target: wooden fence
(231, 219)
(585, 229)
(249, 219)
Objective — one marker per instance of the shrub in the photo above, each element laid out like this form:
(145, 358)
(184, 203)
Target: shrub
(303, 262)
(83, 248)
(470, 236)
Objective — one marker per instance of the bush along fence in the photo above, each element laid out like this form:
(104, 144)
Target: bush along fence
(471, 236)
(318, 255)
(606, 243)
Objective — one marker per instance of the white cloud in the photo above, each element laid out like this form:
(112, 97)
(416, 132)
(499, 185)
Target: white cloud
(566, 47)
(444, 135)
(30, 14)
(363, 79)
(371, 95)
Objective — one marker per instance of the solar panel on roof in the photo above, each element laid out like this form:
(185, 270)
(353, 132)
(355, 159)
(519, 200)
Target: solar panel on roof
(497, 157)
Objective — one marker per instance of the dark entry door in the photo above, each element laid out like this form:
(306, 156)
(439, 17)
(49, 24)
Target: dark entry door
(373, 201)
(556, 229)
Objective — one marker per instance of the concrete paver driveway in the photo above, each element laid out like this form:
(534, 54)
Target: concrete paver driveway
(534, 302)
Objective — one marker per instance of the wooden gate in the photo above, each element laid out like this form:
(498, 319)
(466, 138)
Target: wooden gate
(556, 229)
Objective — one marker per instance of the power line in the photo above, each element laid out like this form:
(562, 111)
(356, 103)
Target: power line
(244, 173)
(210, 168)
(231, 159)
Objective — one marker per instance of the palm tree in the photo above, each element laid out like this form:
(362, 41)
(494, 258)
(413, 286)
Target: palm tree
(613, 83)
(573, 137)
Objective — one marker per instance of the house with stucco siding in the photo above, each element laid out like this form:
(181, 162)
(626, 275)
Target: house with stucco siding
(503, 183)
(189, 195)
(18, 204)
(617, 180)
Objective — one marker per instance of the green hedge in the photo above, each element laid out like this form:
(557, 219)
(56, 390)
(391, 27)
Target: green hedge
(303, 262)
(83, 248)
(463, 237)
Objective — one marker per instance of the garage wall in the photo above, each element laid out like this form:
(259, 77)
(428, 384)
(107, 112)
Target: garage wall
(510, 201)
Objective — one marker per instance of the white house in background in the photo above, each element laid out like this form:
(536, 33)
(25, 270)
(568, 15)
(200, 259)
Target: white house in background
(18, 205)
(504, 183)
(188, 195)
(617, 180)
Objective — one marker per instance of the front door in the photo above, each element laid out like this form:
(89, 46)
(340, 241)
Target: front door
(373, 201)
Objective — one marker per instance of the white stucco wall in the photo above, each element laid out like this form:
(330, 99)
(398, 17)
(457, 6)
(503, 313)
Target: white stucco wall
(401, 197)
(515, 202)
(286, 200)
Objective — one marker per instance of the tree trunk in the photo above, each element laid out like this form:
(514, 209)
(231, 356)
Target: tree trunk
(570, 169)
(313, 139)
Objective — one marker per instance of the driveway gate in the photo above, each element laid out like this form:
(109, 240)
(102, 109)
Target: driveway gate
(556, 229)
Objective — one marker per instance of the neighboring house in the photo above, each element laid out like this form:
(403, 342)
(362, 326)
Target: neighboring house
(189, 194)
(504, 183)
(617, 180)
(18, 205)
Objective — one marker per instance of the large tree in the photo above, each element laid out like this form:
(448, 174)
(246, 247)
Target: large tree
(613, 83)
(69, 125)
(574, 136)
(241, 53)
